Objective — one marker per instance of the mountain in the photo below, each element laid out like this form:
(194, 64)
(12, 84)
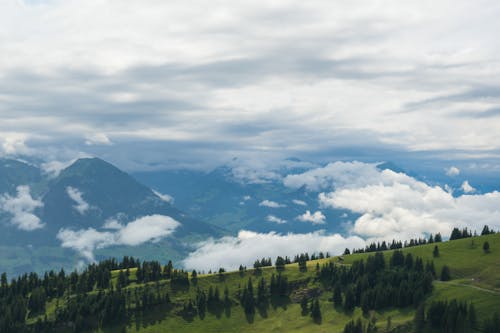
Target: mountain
(84, 196)
(14, 173)
(238, 199)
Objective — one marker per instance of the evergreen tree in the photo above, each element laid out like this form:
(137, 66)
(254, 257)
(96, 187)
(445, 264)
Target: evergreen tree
(445, 273)
(486, 247)
(316, 311)
(486, 231)
(455, 234)
(472, 316)
(492, 325)
(438, 238)
(419, 318)
(435, 253)
(280, 264)
(304, 306)
(350, 300)
(337, 295)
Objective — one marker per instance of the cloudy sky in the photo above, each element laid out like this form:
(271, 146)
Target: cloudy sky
(177, 83)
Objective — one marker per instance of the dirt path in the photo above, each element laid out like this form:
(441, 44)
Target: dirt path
(470, 286)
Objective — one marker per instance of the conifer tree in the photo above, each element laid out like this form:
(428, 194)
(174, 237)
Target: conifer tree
(435, 253)
(445, 273)
(486, 247)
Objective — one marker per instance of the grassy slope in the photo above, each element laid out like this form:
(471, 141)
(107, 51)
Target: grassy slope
(471, 269)
(465, 257)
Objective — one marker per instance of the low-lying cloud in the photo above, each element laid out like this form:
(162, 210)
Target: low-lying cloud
(142, 230)
(337, 174)
(164, 197)
(244, 249)
(395, 205)
(81, 205)
(22, 208)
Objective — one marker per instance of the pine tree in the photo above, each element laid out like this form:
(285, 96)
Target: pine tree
(486, 231)
(304, 306)
(419, 318)
(435, 253)
(445, 273)
(472, 316)
(315, 311)
(337, 295)
(486, 247)
(455, 234)
(350, 300)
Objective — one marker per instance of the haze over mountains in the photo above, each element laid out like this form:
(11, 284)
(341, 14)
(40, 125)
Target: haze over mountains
(229, 215)
(89, 205)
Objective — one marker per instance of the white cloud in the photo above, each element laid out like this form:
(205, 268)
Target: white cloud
(14, 143)
(230, 252)
(395, 205)
(54, 168)
(299, 202)
(275, 219)
(467, 188)
(251, 172)
(165, 197)
(247, 197)
(81, 205)
(316, 218)
(452, 171)
(112, 224)
(97, 139)
(139, 231)
(271, 204)
(338, 174)
(22, 208)
(152, 227)
(85, 241)
(256, 97)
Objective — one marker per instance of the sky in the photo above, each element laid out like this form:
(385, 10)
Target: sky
(161, 84)
(341, 85)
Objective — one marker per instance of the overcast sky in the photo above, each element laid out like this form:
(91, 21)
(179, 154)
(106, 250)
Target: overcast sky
(158, 83)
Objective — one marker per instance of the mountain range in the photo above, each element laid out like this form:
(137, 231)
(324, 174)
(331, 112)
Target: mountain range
(92, 199)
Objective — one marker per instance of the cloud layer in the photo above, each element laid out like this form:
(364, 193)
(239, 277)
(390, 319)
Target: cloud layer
(22, 208)
(395, 205)
(144, 229)
(230, 252)
(205, 96)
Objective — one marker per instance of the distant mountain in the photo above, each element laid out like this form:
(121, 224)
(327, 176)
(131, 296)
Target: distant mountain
(14, 173)
(237, 199)
(85, 195)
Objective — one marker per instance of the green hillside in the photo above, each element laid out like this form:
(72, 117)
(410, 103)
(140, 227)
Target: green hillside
(475, 279)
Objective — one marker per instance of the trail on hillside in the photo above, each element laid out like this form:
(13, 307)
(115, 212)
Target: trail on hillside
(470, 286)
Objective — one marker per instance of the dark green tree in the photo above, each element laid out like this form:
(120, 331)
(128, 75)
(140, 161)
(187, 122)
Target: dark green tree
(337, 295)
(486, 247)
(435, 253)
(445, 273)
(419, 318)
(316, 311)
